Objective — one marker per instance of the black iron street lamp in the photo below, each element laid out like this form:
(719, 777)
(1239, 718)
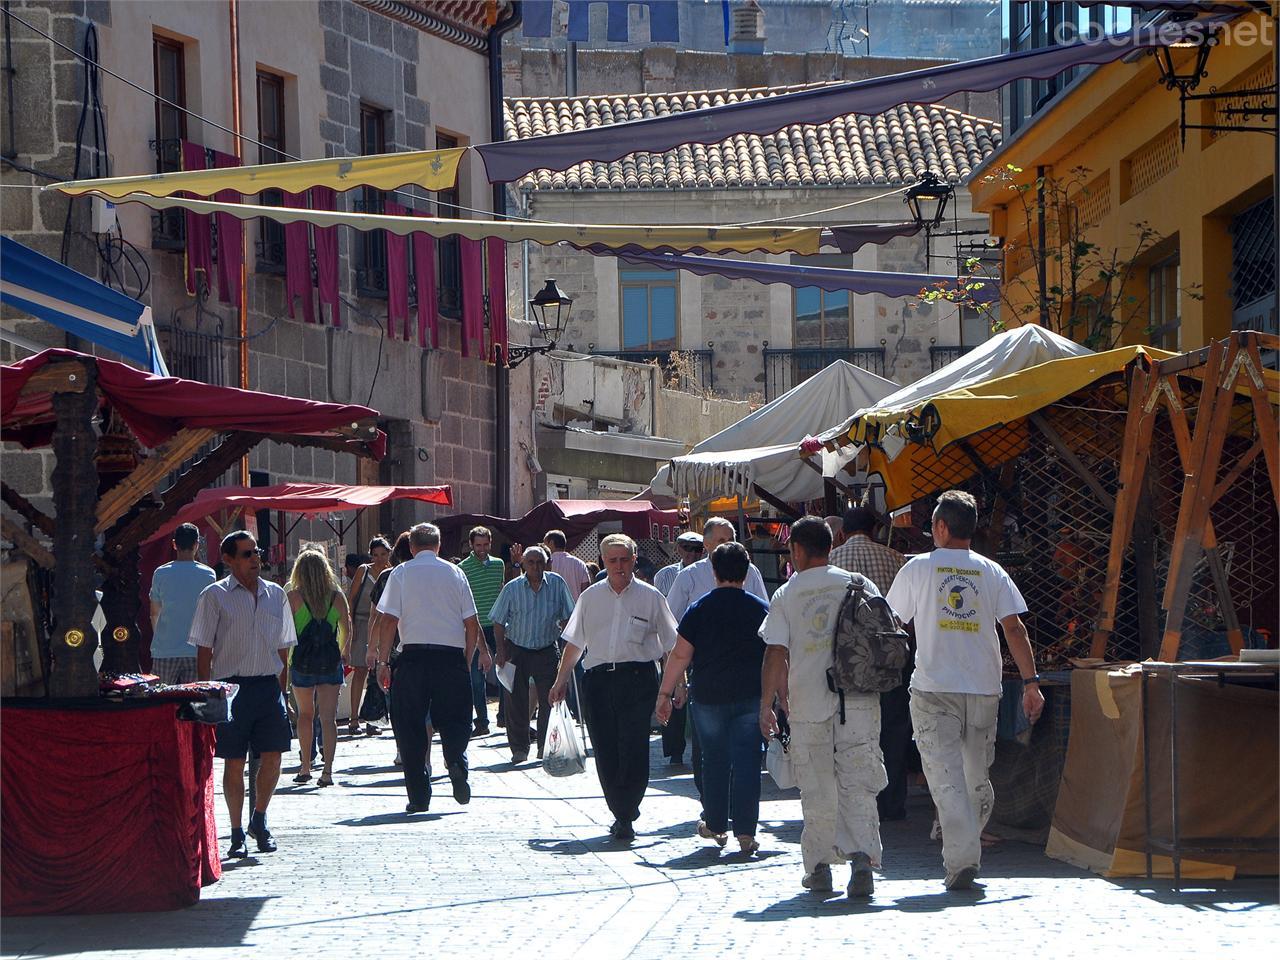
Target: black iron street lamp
(927, 200)
(1188, 78)
(550, 310)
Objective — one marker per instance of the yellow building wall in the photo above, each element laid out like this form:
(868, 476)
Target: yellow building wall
(1122, 125)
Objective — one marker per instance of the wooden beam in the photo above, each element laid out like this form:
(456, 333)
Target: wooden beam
(183, 491)
(66, 376)
(115, 503)
(1268, 432)
(773, 501)
(28, 544)
(1212, 425)
(1236, 470)
(1068, 455)
(1135, 449)
(27, 510)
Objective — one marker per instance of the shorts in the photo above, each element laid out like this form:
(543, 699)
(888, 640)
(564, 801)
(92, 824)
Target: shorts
(259, 720)
(299, 679)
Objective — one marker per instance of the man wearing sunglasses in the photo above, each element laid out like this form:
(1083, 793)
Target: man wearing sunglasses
(242, 632)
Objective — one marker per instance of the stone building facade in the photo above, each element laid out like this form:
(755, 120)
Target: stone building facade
(417, 73)
(747, 340)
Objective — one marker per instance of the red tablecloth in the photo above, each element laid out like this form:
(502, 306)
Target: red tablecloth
(105, 809)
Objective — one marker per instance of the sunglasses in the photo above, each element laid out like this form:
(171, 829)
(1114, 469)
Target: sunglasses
(256, 551)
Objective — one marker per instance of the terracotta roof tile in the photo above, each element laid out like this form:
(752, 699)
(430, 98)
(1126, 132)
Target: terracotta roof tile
(893, 148)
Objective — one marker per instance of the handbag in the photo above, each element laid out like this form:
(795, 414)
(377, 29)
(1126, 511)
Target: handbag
(374, 705)
(777, 760)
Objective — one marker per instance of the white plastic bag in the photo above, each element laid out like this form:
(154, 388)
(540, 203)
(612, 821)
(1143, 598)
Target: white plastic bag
(564, 755)
(778, 762)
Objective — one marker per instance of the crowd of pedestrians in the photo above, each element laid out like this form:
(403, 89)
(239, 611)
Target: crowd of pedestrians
(431, 634)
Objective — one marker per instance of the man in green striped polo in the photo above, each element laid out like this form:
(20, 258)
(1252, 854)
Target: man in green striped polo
(486, 575)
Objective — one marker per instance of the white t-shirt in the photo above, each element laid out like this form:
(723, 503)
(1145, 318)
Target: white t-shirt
(955, 597)
(802, 618)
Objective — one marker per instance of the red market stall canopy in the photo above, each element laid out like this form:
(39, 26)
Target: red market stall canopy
(156, 409)
(304, 498)
(640, 519)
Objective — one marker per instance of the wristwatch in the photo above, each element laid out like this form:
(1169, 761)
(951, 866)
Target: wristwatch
(1032, 679)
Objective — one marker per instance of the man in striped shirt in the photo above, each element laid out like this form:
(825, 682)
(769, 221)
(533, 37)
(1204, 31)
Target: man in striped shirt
(485, 574)
(527, 618)
(242, 631)
(880, 564)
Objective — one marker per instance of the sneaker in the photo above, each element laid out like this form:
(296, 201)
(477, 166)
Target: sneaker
(962, 879)
(820, 880)
(238, 847)
(706, 833)
(747, 844)
(266, 842)
(861, 881)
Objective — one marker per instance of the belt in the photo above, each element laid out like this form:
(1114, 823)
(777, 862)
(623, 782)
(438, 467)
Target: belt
(628, 666)
(407, 648)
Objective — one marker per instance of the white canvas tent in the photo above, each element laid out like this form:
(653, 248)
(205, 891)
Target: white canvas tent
(763, 450)
(1003, 354)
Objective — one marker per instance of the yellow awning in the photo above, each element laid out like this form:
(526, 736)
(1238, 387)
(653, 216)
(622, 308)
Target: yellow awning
(949, 417)
(1004, 400)
(431, 169)
(801, 240)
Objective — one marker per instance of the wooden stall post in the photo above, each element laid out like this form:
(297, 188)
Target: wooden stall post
(75, 490)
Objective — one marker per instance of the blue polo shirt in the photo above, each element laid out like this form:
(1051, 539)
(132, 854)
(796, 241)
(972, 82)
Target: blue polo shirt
(176, 586)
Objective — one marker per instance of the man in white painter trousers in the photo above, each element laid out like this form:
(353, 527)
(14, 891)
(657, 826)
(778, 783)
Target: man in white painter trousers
(835, 752)
(956, 597)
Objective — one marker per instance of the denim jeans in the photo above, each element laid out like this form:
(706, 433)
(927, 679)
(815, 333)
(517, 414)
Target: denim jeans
(729, 734)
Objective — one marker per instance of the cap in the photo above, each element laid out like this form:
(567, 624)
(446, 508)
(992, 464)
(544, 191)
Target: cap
(689, 539)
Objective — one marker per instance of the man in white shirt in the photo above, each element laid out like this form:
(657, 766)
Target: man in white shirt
(429, 601)
(956, 597)
(835, 751)
(620, 628)
(698, 579)
(565, 565)
(688, 550)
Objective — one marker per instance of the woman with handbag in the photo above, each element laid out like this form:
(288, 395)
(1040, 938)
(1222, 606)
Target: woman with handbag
(719, 636)
(358, 599)
(322, 620)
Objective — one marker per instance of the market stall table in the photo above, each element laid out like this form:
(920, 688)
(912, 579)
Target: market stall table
(107, 807)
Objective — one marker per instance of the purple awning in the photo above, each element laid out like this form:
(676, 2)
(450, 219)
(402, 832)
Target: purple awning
(512, 159)
(830, 279)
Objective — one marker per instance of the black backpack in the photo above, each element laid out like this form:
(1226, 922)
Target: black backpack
(869, 647)
(317, 652)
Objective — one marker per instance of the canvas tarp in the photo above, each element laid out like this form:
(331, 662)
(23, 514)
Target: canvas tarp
(763, 448)
(306, 498)
(156, 408)
(432, 169)
(661, 239)
(576, 518)
(1228, 744)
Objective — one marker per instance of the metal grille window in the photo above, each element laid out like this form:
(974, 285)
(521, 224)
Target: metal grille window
(1164, 313)
(650, 309)
(448, 257)
(371, 248)
(169, 75)
(1253, 269)
(271, 149)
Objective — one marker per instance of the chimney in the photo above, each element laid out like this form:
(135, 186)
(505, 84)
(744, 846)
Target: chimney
(746, 31)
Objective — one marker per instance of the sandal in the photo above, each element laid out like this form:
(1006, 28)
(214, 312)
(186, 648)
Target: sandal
(705, 832)
(371, 731)
(353, 728)
(326, 780)
(303, 777)
(748, 844)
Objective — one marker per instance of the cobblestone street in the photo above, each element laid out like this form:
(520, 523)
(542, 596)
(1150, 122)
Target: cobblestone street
(527, 870)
